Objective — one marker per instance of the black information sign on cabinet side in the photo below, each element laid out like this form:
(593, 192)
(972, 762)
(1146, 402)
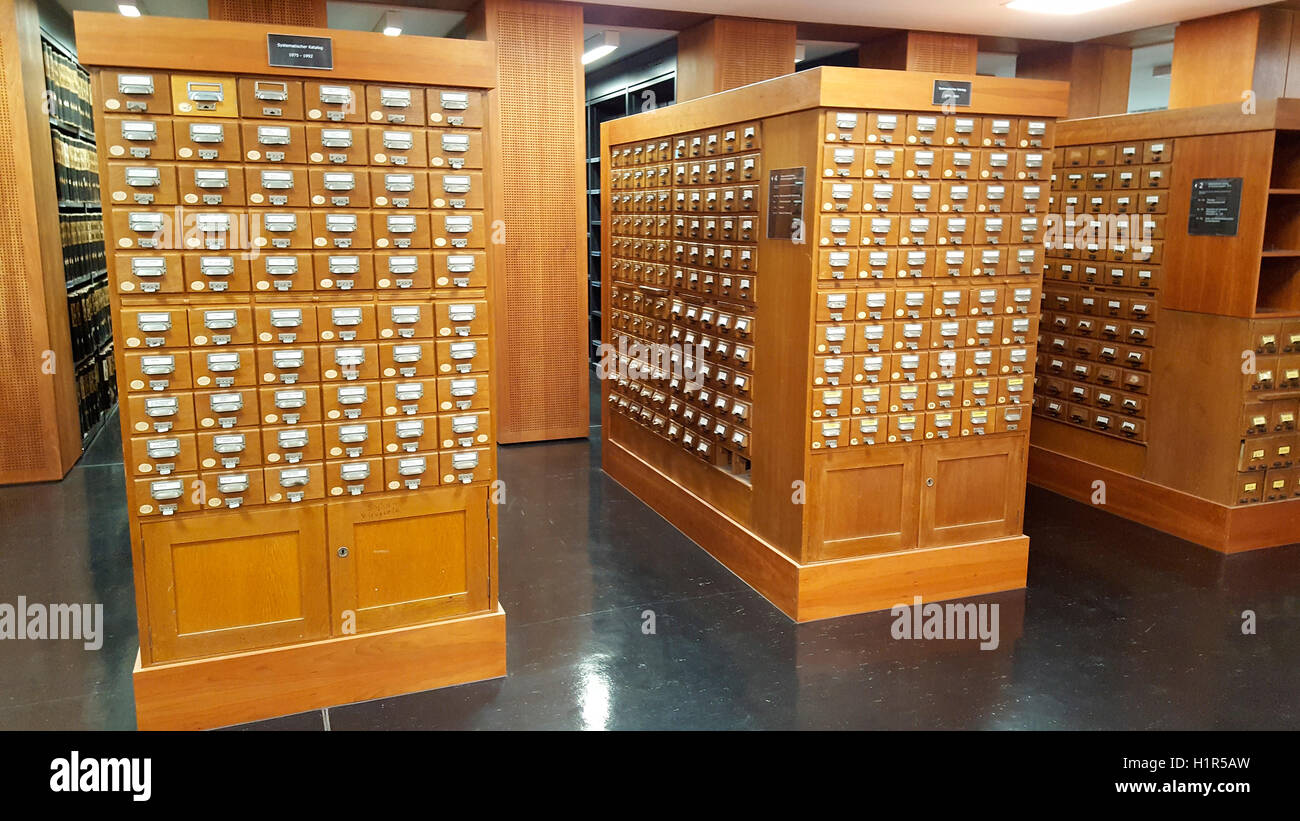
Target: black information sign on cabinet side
(785, 204)
(1215, 208)
(951, 92)
(299, 51)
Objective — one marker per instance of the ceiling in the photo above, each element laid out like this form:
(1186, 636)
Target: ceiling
(630, 41)
(984, 17)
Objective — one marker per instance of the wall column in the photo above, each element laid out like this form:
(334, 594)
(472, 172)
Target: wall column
(727, 52)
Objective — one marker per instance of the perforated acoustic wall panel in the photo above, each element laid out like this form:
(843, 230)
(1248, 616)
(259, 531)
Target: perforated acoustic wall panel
(753, 50)
(541, 276)
(285, 12)
(953, 53)
(37, 372)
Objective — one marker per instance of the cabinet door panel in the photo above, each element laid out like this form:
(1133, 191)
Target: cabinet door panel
(977, 490)
(410, 558)
(864, 501)
(227, 582)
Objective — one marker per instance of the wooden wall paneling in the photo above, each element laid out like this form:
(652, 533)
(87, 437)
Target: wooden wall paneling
(942, 53)
(38, 399)
(1098, 75)
(1214, 59)
(1107, 451)
(727, 52)
(1199, 386)
(271, 12)
(541, 270)
(1217, 275)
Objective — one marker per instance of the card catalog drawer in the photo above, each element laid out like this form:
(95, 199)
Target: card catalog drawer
(462, 318)
(292, 484)
(844, 231)
(291, 405)
(142, 184)
(289, 365)
(463, 392)
(396, 105)
(228, 408)
(408, 359)
(457, 230)
(462, 356)
(280, 187)
(134, 92)
(411, 471)
(1000, 132)
(455, 149)
(271, 99)
(338, 144)
(163, 455)
(905, 427)
(403, 269)
(158, 371)
(233, 489)
(221, 325)
(456, 189)
(335, 101)
(282, 272)
(466, 466)
(160, 412)
(211, 185)
(979, 421)
(846, 126)
(957, 196)
(292, 444)
(228, 450)
(167, 495)
(280, 229)
(843, 161)
(917, 197)
(413, 434)
(993, 196)
(354, 477)
(274, 142)
(154, 327)
(345, 322)
(404, 147)
(349, 361)
(351, 400)
(410, 397)
(341, 229)
(455, 107)
(202, 96)
(353, 439)
(1157, 151)
(145, 227)
(400, 188)
(224, 367)
(1280, 484)
(148, 273)
(923, 163)
(138, 138)
(345, 270)
(217, 272)
(962, 130)
(1250, 488)
(339, 188)
(405, 320)
(401, 229)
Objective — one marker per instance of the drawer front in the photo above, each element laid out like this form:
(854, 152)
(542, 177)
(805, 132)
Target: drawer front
(273, 143)
(412, 397)
(335, 101)
(279, 99)
(459, 108)
(149, 273)
(400, 188)
(455, 149)
(294, 405)
(396, 104)
(163, 455)
(353, 439)
(278, 187)
(160, 412)
(353, 400)
(142, 184)
(134, 92)
(345, 270)
(339, 187)
(292, 444)
(338, 144)
(211, 184)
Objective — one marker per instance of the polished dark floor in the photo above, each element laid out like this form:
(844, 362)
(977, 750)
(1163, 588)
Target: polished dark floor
(1120, 627)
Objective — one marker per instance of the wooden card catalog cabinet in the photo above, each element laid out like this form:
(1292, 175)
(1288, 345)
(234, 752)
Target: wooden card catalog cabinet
(279, 294)
(841, 424)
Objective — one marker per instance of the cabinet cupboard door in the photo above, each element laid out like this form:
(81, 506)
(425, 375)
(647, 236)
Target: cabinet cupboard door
(227, 582)
(972, 489)
(866, 502)
(409, 559)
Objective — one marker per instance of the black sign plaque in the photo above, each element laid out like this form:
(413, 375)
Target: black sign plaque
(785, 204)
(1215, 208)
(952, 92)
(299, 51)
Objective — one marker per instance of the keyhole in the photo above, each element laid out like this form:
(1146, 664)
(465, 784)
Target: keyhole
(929, 482)
(343, 552)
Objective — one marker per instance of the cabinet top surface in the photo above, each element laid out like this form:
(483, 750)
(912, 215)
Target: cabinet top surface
(177, 44)
(838, 87)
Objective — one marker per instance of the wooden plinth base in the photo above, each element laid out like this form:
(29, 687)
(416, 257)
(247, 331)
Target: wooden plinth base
(224, 690)
(808, 592)
(1209, 524)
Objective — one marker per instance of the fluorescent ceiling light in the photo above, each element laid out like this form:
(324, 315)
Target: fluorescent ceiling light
(129, 9)
(390, 23)
(800, 52)
(1062, 6)
(598, 46)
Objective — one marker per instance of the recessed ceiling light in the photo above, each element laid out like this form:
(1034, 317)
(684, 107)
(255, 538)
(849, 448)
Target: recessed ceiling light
(598, 46)
(1062, 6)
(800, 52)
(390, 23)
(130, 8)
